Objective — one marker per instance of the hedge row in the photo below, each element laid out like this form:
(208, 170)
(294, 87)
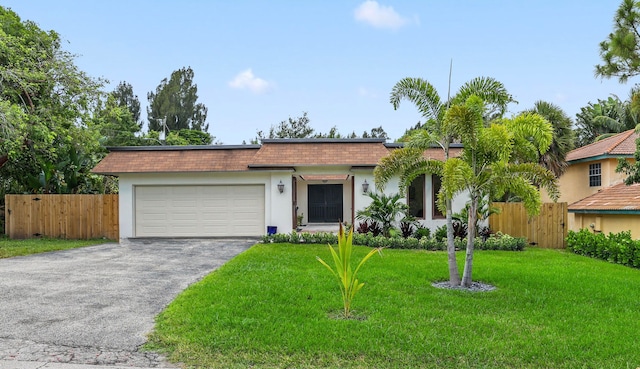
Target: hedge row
(495, 242)
(616, 248)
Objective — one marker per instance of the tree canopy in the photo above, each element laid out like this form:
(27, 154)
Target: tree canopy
(175, 103)
(620, 52)
(45, 104)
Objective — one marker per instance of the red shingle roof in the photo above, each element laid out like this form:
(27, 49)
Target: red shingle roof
(621, 144)
(271, 154)
(178, 160)
(615, 198)
(291, 153)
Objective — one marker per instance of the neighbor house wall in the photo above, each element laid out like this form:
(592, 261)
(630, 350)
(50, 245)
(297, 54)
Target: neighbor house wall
(574, 183)
(277, 206)
(609, 223)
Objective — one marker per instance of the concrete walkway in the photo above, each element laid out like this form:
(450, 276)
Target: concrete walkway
(95, 305)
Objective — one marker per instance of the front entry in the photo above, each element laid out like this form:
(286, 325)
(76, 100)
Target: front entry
(325, 203)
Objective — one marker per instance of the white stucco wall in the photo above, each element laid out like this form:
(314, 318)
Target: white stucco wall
(277, 206)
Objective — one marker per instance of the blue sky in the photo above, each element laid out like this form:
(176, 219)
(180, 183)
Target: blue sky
(257, 63)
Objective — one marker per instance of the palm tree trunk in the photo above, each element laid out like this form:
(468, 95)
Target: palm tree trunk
(471, 235)
(454, 276)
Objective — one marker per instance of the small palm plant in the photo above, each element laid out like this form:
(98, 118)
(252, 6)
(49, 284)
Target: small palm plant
(349, 284)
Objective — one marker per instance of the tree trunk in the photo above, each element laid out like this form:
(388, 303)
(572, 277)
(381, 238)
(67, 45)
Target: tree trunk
(3, 160)
(454, 276)
(471, 235)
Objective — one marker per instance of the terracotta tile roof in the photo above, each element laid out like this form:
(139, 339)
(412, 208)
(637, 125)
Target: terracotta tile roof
(621, 144)
(176, 160)
(291, 153)
(615, 198)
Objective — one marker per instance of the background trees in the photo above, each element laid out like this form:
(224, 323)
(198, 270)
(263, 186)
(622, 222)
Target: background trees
(45, 104)
(176, 100)
(563, 138)
(620, 52)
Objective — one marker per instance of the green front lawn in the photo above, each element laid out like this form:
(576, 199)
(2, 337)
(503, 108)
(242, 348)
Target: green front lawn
(274, 306)
(9, 248)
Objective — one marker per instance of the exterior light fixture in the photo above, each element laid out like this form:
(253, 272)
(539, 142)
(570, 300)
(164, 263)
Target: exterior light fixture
(281, 187)
(365, 187)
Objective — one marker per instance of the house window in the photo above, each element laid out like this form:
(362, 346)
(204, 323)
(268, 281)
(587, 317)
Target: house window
(436, 184)
(595, 175)
(415, 198)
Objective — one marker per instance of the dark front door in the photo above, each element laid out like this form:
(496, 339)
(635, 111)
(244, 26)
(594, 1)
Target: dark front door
(325, 203)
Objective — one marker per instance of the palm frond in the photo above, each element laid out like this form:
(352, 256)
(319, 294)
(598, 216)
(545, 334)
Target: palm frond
(421, 93)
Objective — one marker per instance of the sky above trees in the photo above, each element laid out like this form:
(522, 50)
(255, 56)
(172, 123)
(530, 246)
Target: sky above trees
(257, 63)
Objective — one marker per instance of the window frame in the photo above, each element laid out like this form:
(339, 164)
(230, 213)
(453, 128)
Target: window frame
(595, 175)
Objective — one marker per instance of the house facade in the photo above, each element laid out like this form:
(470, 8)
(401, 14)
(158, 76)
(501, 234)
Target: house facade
(594, 190)
(221, 191)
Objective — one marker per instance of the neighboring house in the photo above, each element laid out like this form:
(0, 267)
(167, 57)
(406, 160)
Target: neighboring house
(614, 209)
(196, 191)
(591, 174)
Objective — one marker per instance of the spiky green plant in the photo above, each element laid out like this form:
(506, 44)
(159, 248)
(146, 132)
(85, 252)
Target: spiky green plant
(349, 283)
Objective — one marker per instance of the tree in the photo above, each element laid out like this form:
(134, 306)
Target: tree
(175, 103)
(620, 52)
(115, 124)
(563, 139)
(605, 118)
(487, 168)
(125, 98)
(378, 132)
(291, 128)
(48, 102)
(409, 163)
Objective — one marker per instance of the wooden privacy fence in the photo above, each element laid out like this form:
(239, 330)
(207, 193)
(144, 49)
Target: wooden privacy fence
(548, 230)
(61, 216)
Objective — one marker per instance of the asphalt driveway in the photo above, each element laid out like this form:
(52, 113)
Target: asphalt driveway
(102, 296)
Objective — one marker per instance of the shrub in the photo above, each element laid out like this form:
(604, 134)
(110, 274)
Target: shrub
(422, 232)
(407, 227)
(495, 242)
(369, 226)
(616, 248)
(441, 233)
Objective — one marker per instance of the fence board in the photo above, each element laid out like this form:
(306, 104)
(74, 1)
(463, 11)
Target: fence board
(547, 230)
(62, 216)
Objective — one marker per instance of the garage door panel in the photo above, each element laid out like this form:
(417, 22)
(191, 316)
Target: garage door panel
(199, 211)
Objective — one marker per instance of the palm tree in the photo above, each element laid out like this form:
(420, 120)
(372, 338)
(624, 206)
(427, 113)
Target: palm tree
(563, 138)
(606, 118)
(384, 210)
(487, 167)
(409, 163)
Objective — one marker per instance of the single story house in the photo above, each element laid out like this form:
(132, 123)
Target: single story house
(240, 190)
(594, 190)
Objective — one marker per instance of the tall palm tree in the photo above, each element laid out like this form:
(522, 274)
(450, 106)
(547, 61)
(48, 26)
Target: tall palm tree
(487, 167)
(409, 163)
(563, 138)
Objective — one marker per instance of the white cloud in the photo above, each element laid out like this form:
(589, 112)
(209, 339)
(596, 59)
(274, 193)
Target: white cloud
(379, 16)
(246, 80)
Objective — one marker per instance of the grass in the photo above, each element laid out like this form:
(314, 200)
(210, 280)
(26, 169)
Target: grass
(274, 306)
(10, 248)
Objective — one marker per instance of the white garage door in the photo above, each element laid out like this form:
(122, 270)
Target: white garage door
(199, 211)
